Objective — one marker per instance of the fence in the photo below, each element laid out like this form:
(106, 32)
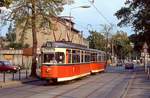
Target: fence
(9, 76)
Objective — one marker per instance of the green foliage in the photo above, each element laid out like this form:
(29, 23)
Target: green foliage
(136, 13)
(11, 37)
(16, 45)
(5, 3)
(121, 45)
(138, 43)
(96, 40)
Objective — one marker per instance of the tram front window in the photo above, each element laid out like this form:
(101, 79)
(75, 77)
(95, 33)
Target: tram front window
(49, 58)
(58, 57)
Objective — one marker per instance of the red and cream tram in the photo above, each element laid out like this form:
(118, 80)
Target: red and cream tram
(63, 61)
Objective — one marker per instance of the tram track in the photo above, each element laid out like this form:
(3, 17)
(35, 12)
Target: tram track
(130, 82)
(70, 90)
(101, 87)
(61, 90)
(112, 81)
(119, 88)
(52, 87)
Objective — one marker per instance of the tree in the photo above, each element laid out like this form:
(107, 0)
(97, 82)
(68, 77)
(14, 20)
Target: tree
(11, 39)
(106, 29)
(136, 13)
(138, 41)
(121, 45)
(25, 13)
(5, 3)
(11, 35)
(96, 40)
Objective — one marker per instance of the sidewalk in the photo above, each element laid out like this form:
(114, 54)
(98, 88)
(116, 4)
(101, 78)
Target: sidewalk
(140, 87)
(14, 83)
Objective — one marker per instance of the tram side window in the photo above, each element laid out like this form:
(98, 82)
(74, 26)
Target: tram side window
(99, 57)
(103, 57)
(93, 57)
(59, 56)
(75, 56)
(87, 57)
(69, 56)
(82, 56)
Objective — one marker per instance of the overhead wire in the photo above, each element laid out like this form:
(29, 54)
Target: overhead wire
(99, 12)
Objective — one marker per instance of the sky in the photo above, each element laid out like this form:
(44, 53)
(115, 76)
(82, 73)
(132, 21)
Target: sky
(3, 28)
(89, 19)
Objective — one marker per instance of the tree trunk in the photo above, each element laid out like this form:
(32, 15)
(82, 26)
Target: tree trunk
(34, 48)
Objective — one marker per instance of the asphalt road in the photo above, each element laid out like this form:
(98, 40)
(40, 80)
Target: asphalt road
(114, 83)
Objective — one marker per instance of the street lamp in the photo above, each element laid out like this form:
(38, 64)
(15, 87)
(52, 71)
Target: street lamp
(83, 6)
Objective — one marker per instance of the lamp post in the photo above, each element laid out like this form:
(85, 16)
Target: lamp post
(70, 14)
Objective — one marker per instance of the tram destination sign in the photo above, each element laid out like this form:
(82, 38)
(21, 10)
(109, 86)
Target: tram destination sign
(49, 44)
(48, 50)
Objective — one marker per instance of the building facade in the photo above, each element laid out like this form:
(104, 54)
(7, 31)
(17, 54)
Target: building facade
(60, 30)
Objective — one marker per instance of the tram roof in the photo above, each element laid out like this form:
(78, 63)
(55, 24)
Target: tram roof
(63, 44)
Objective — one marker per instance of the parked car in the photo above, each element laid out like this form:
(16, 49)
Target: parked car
(129, 65)
(8, 67)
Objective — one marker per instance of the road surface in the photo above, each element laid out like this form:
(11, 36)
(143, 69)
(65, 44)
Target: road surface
(114, 83)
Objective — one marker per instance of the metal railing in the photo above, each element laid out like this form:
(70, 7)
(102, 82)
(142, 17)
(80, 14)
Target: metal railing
(12, 76)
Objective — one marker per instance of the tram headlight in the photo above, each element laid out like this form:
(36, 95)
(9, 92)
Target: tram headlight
(48, 69)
